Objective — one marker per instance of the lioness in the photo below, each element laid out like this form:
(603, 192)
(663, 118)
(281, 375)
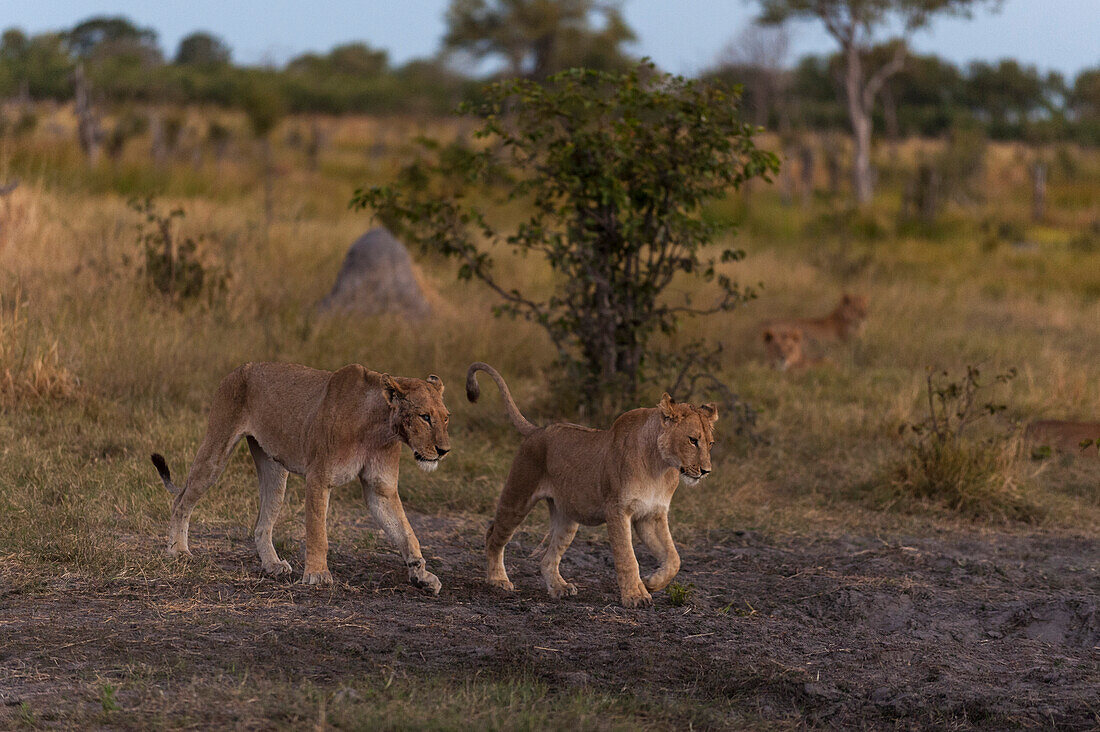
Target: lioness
(624, 476)
(329, 427)
(1063, 435)
(845, 321)
(783, 347)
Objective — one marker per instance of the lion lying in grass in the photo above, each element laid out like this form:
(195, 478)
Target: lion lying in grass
(845, 321)
(329, 427)
(783, 347)
(624, 476)
(1064, 435)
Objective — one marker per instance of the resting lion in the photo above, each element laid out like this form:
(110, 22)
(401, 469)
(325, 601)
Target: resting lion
(624, 476)
(783, 347)
(844, 322)
(329, 427)
(1063, 435)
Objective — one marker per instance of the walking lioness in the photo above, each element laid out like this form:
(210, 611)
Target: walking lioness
(624, 477)
(330, 427)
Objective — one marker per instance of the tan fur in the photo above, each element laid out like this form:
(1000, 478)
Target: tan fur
(624, 476)
(1063, 435)
(783, 347)
(330, 427)
(844, 322)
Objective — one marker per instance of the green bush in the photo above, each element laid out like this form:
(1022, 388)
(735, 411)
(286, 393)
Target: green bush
(171, 265)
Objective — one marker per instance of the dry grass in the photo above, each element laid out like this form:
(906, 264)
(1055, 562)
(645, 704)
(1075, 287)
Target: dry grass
(30, 368)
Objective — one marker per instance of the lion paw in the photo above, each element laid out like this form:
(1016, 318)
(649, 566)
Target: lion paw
(175, 550)
(565, 589)
(277, 568)
(637, 599)
(503, 584)
(317, 578)
(426, 581)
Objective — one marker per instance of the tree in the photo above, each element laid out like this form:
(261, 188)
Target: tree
(854, 25)
(202, 49)
(613, 168)
(102, 37)
(757, 58)
(351, 59)
(39, 65)
(1006, 95)
(539, 37)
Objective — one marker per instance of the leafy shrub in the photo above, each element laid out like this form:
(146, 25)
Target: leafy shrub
(174, 266)
(614, 168)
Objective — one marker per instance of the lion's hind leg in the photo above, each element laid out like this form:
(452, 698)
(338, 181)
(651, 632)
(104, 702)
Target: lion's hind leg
(272, 479)
(223, 431)
(562, 531)
(516, 501)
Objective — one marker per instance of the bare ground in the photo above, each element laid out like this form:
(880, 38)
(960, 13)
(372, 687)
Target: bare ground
(977, 629)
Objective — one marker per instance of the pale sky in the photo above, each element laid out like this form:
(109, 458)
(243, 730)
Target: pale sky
(683, 36)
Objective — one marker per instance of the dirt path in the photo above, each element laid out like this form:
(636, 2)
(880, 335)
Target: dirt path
(962, 630)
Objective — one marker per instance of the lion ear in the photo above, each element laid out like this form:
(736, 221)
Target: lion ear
(392, 390)
(435, 381)
(665, 405)
(711, 411)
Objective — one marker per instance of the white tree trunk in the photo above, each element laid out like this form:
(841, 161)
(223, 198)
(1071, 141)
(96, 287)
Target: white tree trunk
(860, 116)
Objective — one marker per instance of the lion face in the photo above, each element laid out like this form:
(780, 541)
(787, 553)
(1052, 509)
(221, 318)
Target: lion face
(853, 311)
(783, 347)
(419, 417)
(687, 434)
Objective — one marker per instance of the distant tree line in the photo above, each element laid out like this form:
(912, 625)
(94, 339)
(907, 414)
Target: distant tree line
(928, 97)
(123, 63)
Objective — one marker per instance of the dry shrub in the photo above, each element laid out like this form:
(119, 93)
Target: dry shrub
(976, 479)
(29, 370)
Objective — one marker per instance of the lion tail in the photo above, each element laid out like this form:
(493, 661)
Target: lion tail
(166, 476)
(473, 391)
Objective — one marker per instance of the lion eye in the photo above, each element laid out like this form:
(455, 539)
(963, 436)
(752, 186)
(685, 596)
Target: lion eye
(427, 418)
(693, 441)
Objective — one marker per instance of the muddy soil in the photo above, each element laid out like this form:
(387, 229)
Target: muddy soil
(960, 630)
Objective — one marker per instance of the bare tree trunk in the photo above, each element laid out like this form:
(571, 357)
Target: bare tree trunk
(861, 127)
(786, 179)
(158, 149)
(832, 165)
(87, 126)
(806, 155)
(1038, 190)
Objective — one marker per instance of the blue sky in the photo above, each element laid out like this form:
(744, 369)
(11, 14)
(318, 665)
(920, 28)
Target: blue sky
(680, 35)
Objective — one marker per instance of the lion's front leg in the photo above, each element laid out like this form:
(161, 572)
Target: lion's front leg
(385, 506)
(654, 532)
(316, 570)
(633, 592)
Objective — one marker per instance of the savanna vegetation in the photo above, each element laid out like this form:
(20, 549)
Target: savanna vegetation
(130, 285)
